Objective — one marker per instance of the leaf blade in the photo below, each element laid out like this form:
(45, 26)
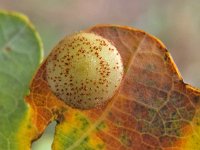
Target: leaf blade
(154, 108)
(119, 130)
(20, 55)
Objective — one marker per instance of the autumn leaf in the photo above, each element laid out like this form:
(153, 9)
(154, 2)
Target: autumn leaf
(20, 55)
(152, 109)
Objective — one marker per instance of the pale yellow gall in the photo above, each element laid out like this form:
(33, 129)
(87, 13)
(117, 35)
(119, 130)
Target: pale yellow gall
(84, 70)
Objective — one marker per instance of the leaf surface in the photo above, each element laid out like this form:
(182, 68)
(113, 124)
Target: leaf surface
(20, 55)
(153, 109)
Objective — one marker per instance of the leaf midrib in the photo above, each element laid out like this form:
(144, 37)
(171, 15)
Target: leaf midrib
(102, 117)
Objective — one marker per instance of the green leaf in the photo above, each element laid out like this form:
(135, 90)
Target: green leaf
(20, 55)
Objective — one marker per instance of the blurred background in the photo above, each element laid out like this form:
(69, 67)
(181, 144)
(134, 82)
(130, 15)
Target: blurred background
(175, 22)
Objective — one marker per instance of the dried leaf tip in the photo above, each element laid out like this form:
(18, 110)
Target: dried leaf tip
(84, 70)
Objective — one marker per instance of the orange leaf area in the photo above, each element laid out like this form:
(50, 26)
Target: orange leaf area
(153, 109)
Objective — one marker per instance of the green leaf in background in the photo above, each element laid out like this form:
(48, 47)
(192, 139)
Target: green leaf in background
(20, 55)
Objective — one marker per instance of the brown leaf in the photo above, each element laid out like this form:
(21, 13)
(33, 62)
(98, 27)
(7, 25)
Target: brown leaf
(153, 109)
